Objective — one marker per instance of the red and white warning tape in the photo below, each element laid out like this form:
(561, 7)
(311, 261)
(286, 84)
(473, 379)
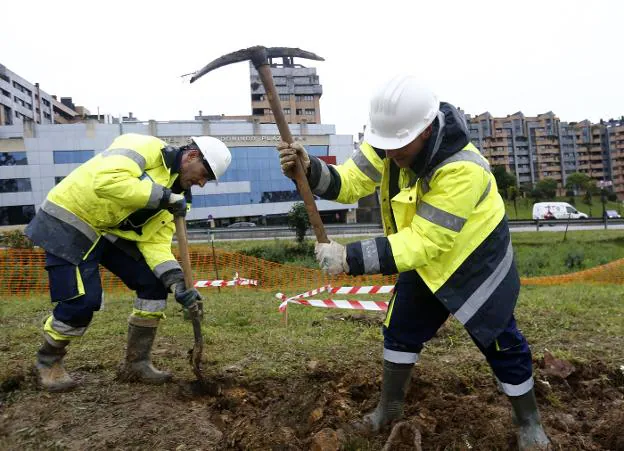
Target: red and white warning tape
(375, 289)
(236, 281)
(333, 303)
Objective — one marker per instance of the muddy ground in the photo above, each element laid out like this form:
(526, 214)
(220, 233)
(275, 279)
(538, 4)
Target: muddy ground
(582, 411)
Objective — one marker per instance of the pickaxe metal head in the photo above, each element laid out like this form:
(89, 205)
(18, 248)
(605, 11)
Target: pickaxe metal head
(258, 55)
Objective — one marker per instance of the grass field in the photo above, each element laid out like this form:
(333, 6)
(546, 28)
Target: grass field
(282, 385)
(524, 207)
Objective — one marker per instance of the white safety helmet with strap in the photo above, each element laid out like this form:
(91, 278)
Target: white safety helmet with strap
(215, 152)
(400, 110)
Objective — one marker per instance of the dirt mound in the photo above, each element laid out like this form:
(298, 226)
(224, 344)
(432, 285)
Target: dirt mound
(583, 411)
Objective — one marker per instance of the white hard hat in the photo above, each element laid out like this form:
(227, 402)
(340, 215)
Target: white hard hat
(215, 152)
(400, 110)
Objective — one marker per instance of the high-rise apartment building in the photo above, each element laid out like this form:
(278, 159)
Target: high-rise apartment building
(535, 148)
(20, 99)
(298, 88)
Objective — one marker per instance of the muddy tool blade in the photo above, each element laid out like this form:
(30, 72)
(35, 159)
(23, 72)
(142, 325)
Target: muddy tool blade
(194, 311)
(198, 346)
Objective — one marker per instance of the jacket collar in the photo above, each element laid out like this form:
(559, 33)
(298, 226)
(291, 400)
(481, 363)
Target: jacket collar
(172, 158)
(449, 136)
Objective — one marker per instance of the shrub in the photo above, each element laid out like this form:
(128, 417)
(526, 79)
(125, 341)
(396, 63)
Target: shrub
(16, 239)
(574, 260)
(298, 220)
(280, 253)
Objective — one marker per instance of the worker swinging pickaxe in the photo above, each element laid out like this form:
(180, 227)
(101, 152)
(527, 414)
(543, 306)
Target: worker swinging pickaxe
(259, 56)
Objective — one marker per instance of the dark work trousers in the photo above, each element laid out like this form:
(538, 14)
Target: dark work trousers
(75, 309)
(415, 315)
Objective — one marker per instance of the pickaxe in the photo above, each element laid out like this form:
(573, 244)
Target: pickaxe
(259, 56)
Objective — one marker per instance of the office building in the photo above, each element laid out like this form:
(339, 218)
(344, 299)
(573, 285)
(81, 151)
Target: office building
(35, 157)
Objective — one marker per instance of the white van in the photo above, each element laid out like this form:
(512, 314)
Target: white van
(556, 210)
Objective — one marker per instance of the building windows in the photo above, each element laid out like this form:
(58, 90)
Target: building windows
(286, 110)
(72, 156)
(305, 112)
(21, 88)
(20, 185)
(284, 97)
(304, 98)
(8, 116)
(13, 159)
(5, 78)
(19, 214)
(5, 93)
(258, 166)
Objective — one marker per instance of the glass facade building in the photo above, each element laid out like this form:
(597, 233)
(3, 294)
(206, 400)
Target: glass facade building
(36, 157)
(260, 167)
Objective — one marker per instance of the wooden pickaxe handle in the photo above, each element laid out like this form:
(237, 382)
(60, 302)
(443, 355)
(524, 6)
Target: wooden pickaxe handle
(300, 177)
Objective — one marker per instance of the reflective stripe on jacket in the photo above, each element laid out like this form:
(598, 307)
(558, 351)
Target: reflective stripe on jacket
(97, 197)
(447, 223)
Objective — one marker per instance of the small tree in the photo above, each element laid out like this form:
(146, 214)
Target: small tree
(504, 180)
(577, 181)
(298, 221)
(587, 199)
(512, 194)
(548, 187)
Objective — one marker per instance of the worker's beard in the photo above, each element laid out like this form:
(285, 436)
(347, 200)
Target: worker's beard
(185, 184)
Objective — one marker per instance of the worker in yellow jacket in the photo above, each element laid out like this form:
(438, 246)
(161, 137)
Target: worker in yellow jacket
(446, 235)
(116, 210)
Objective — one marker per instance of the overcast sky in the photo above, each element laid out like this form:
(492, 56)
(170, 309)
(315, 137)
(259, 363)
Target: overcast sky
(497, 56)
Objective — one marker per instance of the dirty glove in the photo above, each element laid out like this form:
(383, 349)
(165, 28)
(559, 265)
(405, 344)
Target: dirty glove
(288, 154)
(175, 203)
(184, 296)
(332, 257)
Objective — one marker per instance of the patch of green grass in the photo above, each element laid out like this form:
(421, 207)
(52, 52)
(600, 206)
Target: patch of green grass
(525, 207)
(540, 254)
(243, 328)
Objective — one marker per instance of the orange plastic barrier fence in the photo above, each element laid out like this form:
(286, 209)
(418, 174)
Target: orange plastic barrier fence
(22, 271)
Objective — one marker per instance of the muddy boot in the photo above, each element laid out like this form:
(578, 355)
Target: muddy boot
(51, 374)
(138, 365)
(531, 435)
(396, 377)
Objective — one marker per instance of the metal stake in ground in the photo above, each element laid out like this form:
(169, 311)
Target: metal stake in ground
(259, 56)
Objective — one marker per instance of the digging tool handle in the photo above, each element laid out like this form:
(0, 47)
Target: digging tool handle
(194, 311)
(300, 177)
(180, 224)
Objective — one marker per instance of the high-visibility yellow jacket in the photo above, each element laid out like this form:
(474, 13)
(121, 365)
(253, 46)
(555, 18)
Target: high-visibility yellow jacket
(115, 195)
(443, 218)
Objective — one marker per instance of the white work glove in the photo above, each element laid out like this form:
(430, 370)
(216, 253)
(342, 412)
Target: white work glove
(288, 154)
(332, 257)
(175, 203)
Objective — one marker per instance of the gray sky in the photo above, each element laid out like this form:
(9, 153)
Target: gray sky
(495, 56)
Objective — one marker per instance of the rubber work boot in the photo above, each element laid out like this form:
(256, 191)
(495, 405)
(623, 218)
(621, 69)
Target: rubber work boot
(396, 377)
(138, 365)
(531, 435)
(51, 374)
